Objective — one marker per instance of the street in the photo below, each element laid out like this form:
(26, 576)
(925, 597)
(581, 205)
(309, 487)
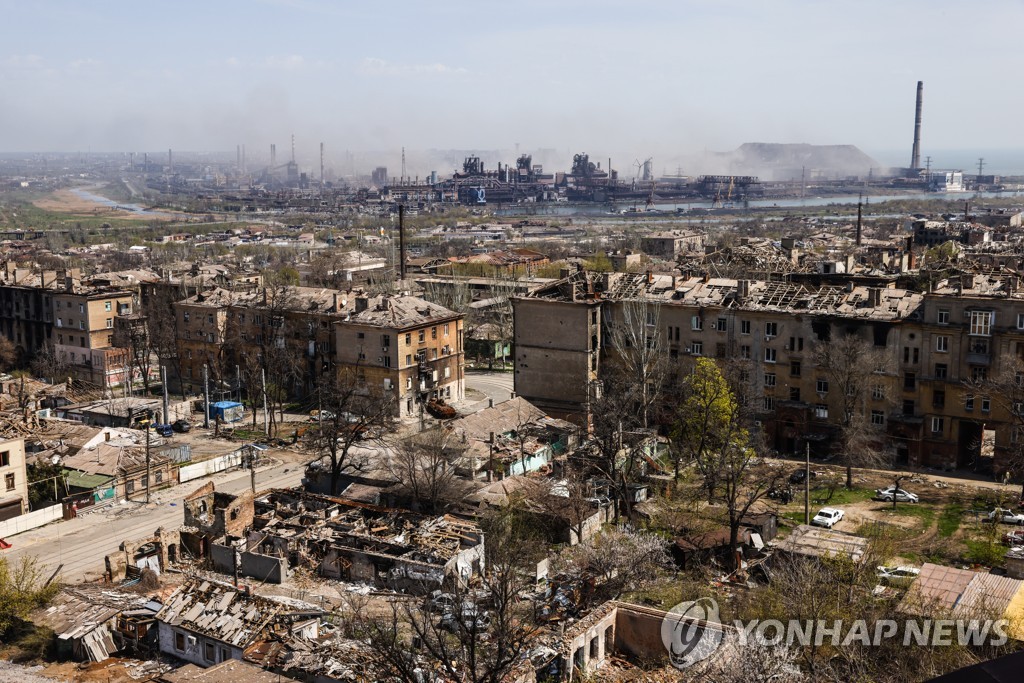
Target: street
(81, 544)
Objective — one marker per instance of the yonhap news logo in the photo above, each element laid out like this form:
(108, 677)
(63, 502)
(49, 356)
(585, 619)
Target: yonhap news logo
(692, 632)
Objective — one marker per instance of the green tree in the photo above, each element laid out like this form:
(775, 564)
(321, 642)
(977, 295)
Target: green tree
(41, 477)
(22, 589)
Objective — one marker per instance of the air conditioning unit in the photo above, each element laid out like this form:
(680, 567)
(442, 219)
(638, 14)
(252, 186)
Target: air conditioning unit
(757, 423)
(380, 359)
(767, 337)
(786, 347)
(386, 349)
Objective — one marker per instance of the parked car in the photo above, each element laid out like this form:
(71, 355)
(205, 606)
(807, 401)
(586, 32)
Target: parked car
(181, 426)
(1014, 537)
(828, 517)
(163, 430)
(783, 494)
(320, 415)
(1006, 516)
(898, 576)
(799, 475)
(443, 602)
(469, 619)
(902, 496)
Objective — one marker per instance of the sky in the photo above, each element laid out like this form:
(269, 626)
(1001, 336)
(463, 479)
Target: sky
(632, 79)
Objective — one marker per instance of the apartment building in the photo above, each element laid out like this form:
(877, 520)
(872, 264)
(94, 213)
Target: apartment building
(26, 307)
(13, 479)
(83, 334)
(405, 345)
(934, 406)
(400, 343)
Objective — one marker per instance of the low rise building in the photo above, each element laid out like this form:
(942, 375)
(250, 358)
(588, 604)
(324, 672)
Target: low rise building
(13, 479)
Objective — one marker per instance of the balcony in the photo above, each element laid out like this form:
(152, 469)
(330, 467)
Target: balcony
(979, 358)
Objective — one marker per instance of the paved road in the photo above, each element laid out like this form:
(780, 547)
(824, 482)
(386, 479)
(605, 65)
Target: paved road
(81, 544)
(494, 385)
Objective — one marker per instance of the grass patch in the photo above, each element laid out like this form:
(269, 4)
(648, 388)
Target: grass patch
(840, 496)
(985, 552)
(926, 513)
(949, 520)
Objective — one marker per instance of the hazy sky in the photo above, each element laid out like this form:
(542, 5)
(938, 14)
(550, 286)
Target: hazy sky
(630, 78)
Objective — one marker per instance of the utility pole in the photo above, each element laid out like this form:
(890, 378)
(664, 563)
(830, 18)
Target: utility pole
(163, 383)
(266, 415)
(206, 397)
(149, 474)
(252, 467)
(807, 484)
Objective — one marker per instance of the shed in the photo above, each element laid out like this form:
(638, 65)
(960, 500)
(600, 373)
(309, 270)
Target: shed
(227, 411)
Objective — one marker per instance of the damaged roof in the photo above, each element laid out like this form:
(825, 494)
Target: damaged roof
(219, 611)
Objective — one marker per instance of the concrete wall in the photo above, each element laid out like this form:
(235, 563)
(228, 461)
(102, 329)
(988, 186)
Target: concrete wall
(31, 520)
(211, 466)
(264, 568)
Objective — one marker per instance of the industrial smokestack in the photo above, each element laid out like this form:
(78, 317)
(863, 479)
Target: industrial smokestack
(170, 161)
(401, 241)
(273, 155)
(915, 156)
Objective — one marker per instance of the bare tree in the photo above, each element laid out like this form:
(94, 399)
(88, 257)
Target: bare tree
(639, 354)
(424, 466)
(852, 366)
(49, 364)
(1006, 387)
(621, 559)
(468, 643)
(350, 412)
(162, 333)
(130, 332)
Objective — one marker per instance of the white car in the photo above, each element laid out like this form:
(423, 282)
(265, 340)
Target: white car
(1005, 516)
(901, 495)
(898, 576)
(827, 517)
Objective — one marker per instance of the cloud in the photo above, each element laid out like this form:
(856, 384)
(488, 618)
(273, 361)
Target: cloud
(284, 61)
(22, 62)
(83, 63)
(373, 66)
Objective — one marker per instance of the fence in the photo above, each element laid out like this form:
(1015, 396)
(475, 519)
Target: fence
(211, 466)
(31, 520)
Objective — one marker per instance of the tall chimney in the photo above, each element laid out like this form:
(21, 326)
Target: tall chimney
(859, 223)
(915, 156)
(401, 241)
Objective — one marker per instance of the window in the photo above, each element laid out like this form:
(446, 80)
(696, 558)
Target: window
(943, 316)
(745, 352)
(937, 424)
(769, 379)
(986, 404)
(387, 384)
(911, 354)
(129, 487)
(652, 319)
(908, 406)
(81, 308)
(422, 336)
(385, 340)
(744, 327)
(209, 652)
(447, 372)
(5, 458)
(9, 481)
(696, 323)
(696, 348)
(981, 323)
(159, 476)
(387, 361)
(771, 329)
(939, 398)
(969, 402)
(979, 374)
(408, 359)
(769, 403)
(720, 324)
(794, 368)
(877, 418)
(821, 411)
(179, 642)
(794, 393)
(408, 339)
(1020, 321)
(185, 316)
(81, 325)
(408, 382)
(941, 371)
(796, 344)
(821, 386)
(909, 381)
(360, 335)
(433, 332)
(107, 306)
(446, 324)
(770, 355)
(942, 344)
